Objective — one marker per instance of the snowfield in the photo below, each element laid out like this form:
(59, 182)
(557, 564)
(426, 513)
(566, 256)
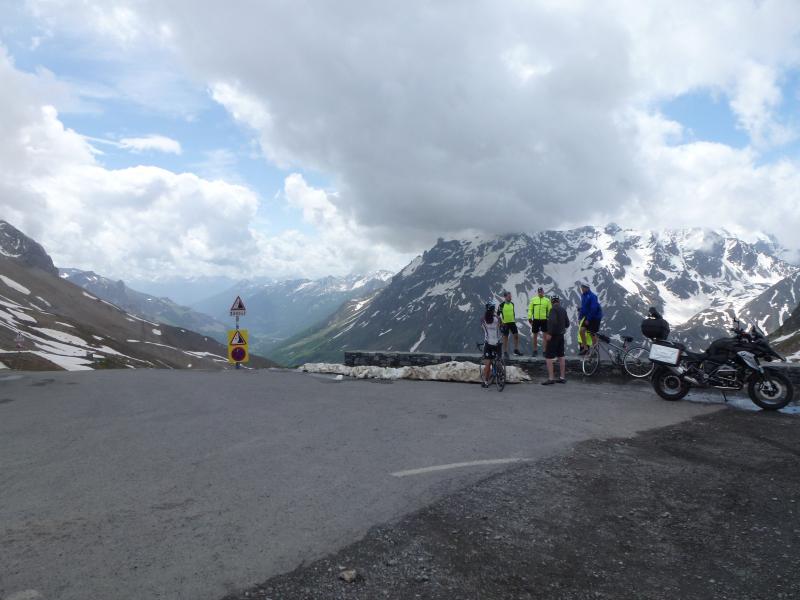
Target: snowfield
(465, 372)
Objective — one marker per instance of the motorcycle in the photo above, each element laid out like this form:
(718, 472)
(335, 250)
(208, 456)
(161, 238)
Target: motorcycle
(728, 364)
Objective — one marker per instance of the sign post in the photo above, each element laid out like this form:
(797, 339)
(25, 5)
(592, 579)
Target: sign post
(237, 338)
(19, 341)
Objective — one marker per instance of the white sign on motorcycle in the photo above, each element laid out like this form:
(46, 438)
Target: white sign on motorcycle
(664, 354)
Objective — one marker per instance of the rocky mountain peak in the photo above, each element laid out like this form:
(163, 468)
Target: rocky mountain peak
(17, 245)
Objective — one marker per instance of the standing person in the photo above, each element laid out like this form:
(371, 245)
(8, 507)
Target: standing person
(538, 311)
(490, 324)
(508, 319)
(591, 311)
(557, 325)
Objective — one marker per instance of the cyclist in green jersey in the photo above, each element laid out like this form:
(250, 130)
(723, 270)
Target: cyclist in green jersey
(508, 320)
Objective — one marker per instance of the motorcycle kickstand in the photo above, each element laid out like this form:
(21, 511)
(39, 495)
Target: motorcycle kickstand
(724, 396)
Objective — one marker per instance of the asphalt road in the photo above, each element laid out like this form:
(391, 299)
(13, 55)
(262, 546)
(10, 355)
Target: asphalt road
(176, 484)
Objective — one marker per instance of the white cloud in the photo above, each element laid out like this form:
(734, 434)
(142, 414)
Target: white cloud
(145, 221)
(124, 222)
(159, 143)
(427, 118)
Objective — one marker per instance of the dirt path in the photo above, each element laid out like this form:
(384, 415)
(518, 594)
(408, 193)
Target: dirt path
(704, 509)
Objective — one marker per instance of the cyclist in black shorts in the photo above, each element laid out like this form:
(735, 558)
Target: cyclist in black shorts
(490, 324)
(508, 320)
(538, 311)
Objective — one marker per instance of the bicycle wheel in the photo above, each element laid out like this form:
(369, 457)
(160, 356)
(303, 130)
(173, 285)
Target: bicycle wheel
(500, 375)
(637, 362)
(591, 360)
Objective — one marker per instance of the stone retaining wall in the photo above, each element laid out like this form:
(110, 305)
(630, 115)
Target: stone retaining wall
(535, 367)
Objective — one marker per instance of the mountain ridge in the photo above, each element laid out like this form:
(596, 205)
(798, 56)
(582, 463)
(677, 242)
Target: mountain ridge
(434, 303)
(160, 309)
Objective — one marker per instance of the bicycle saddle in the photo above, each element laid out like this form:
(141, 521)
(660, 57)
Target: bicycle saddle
(605, 338)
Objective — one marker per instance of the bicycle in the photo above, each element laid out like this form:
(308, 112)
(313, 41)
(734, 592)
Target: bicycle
(498, 373)
(631, 358)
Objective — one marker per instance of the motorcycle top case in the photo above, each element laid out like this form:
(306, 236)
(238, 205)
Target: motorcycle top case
(655, 329)
(665, 354)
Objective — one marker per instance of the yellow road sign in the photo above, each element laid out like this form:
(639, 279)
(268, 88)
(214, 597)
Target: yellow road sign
(237, 346)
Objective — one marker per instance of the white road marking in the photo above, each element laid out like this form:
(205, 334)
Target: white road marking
(473, 463)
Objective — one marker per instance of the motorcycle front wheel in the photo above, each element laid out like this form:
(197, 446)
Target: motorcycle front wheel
(773, 391)
(668, 385)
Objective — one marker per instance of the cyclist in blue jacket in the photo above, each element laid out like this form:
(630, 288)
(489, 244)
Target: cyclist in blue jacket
(591, 313)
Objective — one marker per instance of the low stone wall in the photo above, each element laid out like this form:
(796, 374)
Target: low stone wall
(535, 367)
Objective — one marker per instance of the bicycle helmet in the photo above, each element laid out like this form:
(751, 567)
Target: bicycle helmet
(490, 306)
(555, 299)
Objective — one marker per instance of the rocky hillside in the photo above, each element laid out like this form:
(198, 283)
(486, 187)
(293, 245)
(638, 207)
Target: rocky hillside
(786, 339)
(16, 245)
(62, 326)
(698, 278)
(277, 310)
(162, 310)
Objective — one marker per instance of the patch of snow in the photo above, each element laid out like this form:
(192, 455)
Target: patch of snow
(88, 295)
(156, 331)
(61, 336)
(22, 316)
(66, 325)
(384, 332)
(3, 365)
(98, 338)
(449, 371)
(141, 319)
(43, 301)
(69, 363)
(14, 285)
(418, 342)
(411, 267)
(360, 304)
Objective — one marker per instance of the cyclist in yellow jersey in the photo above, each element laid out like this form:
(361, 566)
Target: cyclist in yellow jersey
(508, 320)
(538, 311)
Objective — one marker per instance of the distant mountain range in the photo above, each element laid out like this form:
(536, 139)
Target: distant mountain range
(63, 326)
(278, 310)
(162, 310)
(699, 278)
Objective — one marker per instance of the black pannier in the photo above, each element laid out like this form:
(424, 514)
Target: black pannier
(655, 329)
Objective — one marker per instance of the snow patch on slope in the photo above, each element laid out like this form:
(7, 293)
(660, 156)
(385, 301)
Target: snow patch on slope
(14, 285)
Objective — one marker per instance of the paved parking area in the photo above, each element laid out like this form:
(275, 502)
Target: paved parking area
(176, 484)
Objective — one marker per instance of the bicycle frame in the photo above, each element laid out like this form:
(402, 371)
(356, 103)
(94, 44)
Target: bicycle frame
(601, 345)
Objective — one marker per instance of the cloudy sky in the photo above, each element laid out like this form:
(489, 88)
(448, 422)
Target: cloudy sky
(147, 139)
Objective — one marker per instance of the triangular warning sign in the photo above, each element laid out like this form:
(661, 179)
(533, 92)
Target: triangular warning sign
(238, 339)
(238, 304)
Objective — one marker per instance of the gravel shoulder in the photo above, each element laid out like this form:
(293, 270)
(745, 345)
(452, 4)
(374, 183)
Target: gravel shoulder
(704, 509)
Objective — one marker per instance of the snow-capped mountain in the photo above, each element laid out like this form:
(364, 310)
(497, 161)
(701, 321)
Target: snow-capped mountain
(162, 310)
(62, 326)
(699, 278)
(277, 310)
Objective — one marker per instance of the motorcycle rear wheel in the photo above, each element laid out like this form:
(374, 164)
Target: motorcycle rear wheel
(773, 391)
(669, 386)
